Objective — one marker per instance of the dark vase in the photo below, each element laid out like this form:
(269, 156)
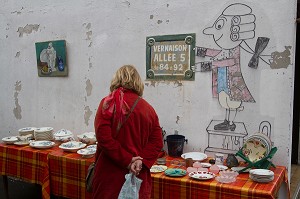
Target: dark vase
(232, 161)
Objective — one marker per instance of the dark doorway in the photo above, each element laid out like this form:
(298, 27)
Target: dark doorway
(295, 134)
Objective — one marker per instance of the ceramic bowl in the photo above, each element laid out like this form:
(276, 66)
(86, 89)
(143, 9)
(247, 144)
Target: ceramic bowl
(72, 146)
(26, 131)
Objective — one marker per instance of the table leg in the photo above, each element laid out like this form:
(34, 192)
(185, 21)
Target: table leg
(5, 184)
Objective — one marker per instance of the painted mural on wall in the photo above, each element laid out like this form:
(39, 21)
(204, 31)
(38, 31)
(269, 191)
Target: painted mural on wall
(230, 32)
(51, 58)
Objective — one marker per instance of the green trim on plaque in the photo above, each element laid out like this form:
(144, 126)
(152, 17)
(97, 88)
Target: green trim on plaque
(170, 57)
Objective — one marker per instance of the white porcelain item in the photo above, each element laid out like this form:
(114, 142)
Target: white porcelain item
(202, 175)
(10, 139)
(72, 146)
(86, 152)
(42, 144)
(158, 168)
(63, 133)
(196, 156)
(26, 131)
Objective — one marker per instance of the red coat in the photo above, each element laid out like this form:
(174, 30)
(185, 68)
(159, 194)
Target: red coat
(140, 135)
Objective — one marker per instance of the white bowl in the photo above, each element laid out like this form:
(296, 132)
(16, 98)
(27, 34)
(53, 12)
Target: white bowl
(72, 146)
(196, 156)
(10, 139)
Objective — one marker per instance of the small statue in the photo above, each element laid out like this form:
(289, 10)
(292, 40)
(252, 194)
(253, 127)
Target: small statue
(232, 161)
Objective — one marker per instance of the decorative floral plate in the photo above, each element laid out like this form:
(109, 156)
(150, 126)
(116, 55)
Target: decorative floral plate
(158, 168)
(196, 156)
(175, 172)
(72, 146)
(254, 149)
(202, 175)
(42, 144)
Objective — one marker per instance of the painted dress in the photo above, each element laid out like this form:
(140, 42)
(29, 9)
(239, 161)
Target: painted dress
(227, 75)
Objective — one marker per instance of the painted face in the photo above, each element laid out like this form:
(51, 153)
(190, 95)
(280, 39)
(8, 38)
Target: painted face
(221, 31)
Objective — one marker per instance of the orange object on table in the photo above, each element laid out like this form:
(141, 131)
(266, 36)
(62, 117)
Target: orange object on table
(27, 164)
(67, 174)
(186, 187)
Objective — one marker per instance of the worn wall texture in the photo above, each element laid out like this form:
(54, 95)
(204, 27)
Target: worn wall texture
(101, 36)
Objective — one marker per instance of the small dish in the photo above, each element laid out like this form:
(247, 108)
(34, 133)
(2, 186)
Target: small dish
(63, 133)
(205, 165)
(196, 156)
(161, 161)
(202, 175)
(175, 172)
(222, 167)
(10, 139)
(72, 146)
(158, 168)
(88, 138)
(42, 144)
(86, 153)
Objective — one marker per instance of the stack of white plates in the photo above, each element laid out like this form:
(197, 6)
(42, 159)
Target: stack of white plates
(261, 175)
(43, 133)
(26, 131)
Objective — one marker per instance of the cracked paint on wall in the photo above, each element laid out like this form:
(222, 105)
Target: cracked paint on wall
(177, 119)
(88, 87)
(28, 29)
(87, 115)
(17, 110)
(281, 59)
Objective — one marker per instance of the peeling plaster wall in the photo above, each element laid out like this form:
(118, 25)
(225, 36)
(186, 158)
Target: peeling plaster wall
(103, 35)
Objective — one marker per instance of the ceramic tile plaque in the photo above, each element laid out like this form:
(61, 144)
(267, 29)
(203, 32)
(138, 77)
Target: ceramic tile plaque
(170, 57)
(51, 58)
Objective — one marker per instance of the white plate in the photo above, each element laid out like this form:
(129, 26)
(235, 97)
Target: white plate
(86, 152)
(158, 168)
(196, 156)
(202, 175)
(93, 146)
(42, 144)
(205, 165)
(261, 172)
(63, 133)
(10, 139)
(72, 146)
(43, 129)
(222, 167)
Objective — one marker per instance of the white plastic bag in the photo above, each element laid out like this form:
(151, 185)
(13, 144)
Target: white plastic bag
(131, 187)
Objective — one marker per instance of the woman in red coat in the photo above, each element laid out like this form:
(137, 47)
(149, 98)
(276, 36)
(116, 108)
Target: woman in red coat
(125, 146)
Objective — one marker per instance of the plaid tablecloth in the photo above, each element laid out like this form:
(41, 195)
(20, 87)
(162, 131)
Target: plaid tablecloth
(67, 174)
(165, 187)
(26, 163)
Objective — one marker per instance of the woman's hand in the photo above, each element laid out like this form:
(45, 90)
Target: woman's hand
(136, 165)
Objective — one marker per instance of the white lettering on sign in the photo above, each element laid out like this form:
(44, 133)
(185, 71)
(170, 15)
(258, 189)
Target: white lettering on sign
(168, 48)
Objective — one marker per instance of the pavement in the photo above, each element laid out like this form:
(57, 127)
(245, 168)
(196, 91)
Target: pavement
(20, 190)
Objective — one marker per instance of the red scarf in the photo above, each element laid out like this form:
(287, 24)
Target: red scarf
(115, 107)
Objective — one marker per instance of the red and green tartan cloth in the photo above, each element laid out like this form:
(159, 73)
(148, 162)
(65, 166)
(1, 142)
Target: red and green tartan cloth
(165, 187)
(67, 174)
(27, 164)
